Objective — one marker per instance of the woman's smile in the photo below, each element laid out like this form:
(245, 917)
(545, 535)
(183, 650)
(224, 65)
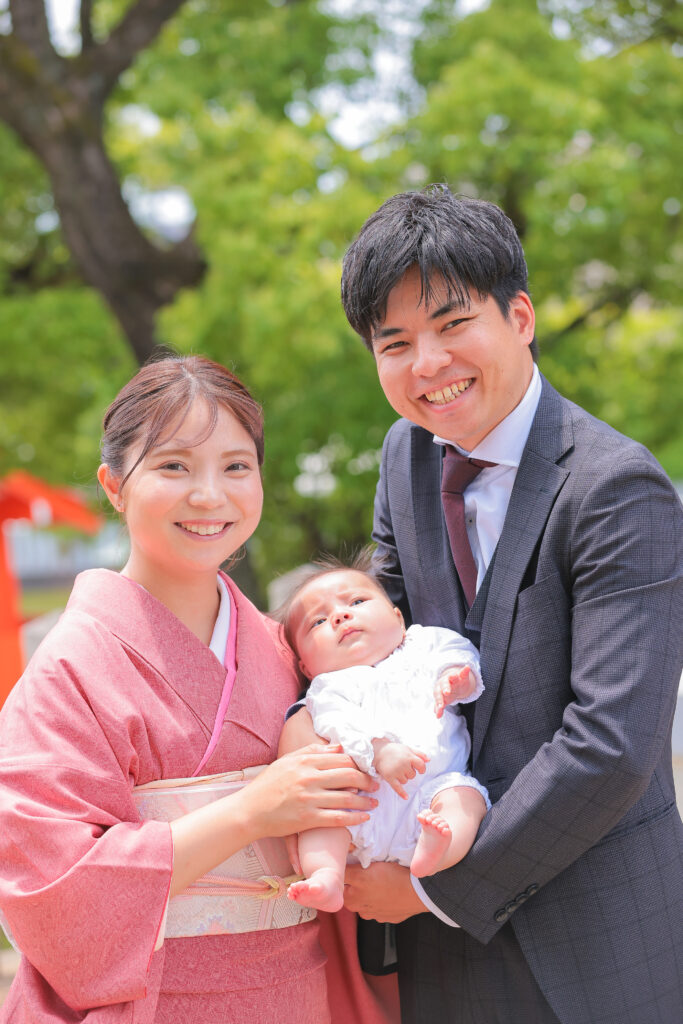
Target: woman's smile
(203, 529)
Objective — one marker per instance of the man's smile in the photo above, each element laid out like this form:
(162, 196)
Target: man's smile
(443, 395)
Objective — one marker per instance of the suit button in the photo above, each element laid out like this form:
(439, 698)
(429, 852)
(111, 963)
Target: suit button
(534, 887)
(501, 915)
(511, 906)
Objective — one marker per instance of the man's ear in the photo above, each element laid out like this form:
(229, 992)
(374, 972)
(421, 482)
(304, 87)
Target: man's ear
(521, 312)
(111, 485)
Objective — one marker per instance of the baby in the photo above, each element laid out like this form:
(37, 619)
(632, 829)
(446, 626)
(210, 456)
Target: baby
(380, 691)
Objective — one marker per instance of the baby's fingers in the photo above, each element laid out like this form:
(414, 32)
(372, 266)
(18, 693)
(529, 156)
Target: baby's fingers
(398, 788)
(442, 693)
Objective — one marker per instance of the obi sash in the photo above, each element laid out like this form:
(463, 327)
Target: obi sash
(248, 891)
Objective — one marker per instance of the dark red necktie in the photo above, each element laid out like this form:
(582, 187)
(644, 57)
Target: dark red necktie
(457, 474)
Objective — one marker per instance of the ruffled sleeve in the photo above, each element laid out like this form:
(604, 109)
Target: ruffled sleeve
(334, 700)
(442, 649)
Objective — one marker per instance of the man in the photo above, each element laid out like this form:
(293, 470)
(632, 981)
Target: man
(569, 906)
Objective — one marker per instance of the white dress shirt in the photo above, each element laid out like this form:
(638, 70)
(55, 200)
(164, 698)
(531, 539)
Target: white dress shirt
(486, 504)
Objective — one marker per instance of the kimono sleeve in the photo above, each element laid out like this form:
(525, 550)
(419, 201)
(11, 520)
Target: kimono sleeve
(83, 882)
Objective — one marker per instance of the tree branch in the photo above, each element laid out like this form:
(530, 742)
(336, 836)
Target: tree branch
(29, 25)
(138, 28)
(619, 297)
(21, 102)
(85, 23)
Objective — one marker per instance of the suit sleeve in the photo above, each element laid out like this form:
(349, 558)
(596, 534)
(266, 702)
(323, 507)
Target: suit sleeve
(626, 609)
(84, 883)
(386, 561)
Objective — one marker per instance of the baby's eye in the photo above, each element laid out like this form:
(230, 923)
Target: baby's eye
(318, 621)
(358, 600)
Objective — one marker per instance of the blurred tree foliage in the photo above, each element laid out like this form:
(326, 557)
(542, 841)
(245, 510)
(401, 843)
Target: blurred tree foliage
(584, 153)
(581, 147)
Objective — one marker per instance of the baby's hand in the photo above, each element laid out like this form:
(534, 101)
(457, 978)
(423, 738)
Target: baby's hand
(453, 684)
(397, 763)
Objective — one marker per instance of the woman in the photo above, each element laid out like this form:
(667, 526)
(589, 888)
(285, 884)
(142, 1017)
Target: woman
(132, 686)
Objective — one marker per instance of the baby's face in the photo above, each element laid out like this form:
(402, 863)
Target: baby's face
(343, 619)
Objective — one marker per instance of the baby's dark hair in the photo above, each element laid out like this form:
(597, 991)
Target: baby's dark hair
(362, 562)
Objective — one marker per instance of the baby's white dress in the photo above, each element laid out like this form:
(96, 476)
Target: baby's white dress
(395, 699)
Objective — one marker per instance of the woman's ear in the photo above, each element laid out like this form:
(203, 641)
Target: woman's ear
(111, 485)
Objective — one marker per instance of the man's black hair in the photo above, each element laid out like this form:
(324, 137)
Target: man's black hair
(469, 245)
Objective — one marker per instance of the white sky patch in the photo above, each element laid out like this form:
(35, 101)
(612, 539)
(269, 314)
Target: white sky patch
(168, 211)
(465, 7)
(62, 17)
(358, 115)
(5, 19)
(142, 119)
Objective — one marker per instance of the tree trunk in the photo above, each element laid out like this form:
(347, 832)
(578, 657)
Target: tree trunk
(56, 107)
(134, 276)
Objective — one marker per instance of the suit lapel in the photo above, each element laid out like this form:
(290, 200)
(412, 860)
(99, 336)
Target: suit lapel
(537, 484)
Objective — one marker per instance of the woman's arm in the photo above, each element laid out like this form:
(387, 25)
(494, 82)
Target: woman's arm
(317, 787)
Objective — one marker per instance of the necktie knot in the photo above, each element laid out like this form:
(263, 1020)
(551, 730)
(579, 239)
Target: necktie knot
(459, 471)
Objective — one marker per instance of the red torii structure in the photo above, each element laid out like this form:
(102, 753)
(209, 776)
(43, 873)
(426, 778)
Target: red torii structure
(23, 496)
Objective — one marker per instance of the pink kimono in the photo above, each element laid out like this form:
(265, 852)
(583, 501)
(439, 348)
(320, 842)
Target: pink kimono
(121, 693)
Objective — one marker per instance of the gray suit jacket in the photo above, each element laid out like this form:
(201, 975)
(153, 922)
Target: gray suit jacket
(579, 622)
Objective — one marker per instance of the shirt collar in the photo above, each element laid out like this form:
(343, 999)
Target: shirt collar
(505, 443)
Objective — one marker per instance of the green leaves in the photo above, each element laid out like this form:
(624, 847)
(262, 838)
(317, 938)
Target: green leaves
(581, 146)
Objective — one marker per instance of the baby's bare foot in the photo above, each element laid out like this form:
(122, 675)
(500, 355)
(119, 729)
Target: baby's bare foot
(433, 843)
(324, 890)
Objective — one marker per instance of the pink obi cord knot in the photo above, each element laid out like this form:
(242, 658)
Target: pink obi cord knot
(267, 887)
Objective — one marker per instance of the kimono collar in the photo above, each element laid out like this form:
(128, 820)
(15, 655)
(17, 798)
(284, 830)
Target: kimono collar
(159, 638)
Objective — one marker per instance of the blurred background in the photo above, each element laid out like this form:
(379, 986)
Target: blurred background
(190, 174)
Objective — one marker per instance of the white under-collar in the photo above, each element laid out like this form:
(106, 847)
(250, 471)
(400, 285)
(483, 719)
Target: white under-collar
(505, 443)
(219, 637)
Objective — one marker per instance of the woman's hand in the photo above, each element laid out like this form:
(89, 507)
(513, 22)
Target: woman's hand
(317, 786)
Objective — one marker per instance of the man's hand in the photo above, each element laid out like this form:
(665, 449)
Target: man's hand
(397, 763)
(381, 892)
(453, 684)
